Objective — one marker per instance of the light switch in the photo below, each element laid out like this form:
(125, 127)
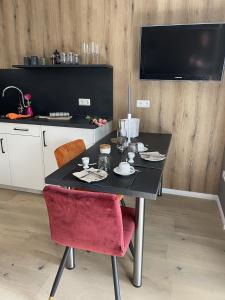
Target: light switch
(84, 102)
(143, 103)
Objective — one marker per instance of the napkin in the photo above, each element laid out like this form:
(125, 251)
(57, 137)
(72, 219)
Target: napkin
(152, 156)
(91, 175)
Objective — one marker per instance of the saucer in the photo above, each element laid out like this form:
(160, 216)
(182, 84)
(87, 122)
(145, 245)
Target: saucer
(116, 170)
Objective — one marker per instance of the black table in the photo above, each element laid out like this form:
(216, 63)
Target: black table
(144, 184)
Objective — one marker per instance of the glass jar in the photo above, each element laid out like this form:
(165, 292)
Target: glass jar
(76, 58)
(104, 162)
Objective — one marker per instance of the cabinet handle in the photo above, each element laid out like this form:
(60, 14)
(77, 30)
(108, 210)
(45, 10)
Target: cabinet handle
(21, 129)
(1, 140)
(45, 145)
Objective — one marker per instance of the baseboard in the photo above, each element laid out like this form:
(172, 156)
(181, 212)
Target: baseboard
(222, 217)
(201, 196)
(14, 188)
(190, 194)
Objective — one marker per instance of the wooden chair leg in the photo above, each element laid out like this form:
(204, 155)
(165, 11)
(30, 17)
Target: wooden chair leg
(59, 273)
(115, 278)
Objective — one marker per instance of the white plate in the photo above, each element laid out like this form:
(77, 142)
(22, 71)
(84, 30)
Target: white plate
(91, 175)
(116, 170)
(152, 156)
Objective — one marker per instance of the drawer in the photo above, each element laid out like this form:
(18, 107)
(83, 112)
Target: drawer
(24, 129)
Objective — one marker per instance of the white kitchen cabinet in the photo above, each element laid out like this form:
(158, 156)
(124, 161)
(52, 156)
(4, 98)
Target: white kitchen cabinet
(25, 156)
(27, 151)
(54, 136)
(5, 176)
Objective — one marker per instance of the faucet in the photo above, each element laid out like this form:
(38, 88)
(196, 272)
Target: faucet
(22, 103)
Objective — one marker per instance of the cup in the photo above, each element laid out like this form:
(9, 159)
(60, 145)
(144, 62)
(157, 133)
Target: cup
(105, 148)
(131, 156)
(42, 61)
(85, 162)
(26, 60)
(125, 168)
(34, 60)
(140, 147)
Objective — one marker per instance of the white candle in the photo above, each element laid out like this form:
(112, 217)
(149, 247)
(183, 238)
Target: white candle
(129, 99)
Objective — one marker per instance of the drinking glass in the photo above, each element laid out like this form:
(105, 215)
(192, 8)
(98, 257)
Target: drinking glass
(63, 57)
(104, 162)
(132, 147)
(85, 53)
(97, 54)
(121, 141)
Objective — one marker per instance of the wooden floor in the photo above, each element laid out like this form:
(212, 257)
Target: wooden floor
(184, 255)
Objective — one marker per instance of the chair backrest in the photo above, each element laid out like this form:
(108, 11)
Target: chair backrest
(69, 151)
(85, 220)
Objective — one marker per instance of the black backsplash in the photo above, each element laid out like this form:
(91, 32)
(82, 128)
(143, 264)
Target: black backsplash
(58, 90)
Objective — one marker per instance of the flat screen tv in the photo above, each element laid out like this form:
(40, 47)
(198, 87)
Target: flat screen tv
(182, 52)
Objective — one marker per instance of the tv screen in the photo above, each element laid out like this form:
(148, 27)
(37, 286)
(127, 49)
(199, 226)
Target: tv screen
(182, 52)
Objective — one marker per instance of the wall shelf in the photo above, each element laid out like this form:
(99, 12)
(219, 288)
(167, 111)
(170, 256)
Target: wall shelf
(62, 66)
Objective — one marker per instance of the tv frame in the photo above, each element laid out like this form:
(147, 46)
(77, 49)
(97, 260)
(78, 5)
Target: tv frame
(178, 77)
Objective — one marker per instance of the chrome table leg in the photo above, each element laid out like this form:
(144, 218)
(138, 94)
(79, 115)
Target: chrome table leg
(70, 262)
(139, 241)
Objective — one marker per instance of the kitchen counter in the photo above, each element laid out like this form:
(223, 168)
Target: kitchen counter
(75, 122)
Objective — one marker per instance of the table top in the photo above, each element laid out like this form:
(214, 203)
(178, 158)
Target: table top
(141, 184)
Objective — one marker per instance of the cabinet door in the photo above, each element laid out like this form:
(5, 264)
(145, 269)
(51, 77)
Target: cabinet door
(5, 177)
(54, 136)
(26, 161)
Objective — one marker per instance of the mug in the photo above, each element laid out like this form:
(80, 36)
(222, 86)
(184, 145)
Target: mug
(34, 60)
(85, 162)
(125, 168)
(26, 60)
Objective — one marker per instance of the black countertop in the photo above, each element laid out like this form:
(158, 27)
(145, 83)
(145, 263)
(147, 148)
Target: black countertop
(142, 184)
(75, 122)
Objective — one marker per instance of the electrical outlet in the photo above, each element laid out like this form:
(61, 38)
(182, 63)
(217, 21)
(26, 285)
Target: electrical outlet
(84, 102)
(143, 103)
(223, 175)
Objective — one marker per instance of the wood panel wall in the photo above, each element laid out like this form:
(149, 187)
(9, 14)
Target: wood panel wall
(193, 112)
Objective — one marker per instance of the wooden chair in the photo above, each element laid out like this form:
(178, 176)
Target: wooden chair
(69, 151)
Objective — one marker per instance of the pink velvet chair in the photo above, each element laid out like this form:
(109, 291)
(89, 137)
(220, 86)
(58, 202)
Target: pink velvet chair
(90, 221)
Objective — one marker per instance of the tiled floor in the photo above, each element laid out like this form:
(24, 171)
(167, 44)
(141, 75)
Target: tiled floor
(184, 255)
